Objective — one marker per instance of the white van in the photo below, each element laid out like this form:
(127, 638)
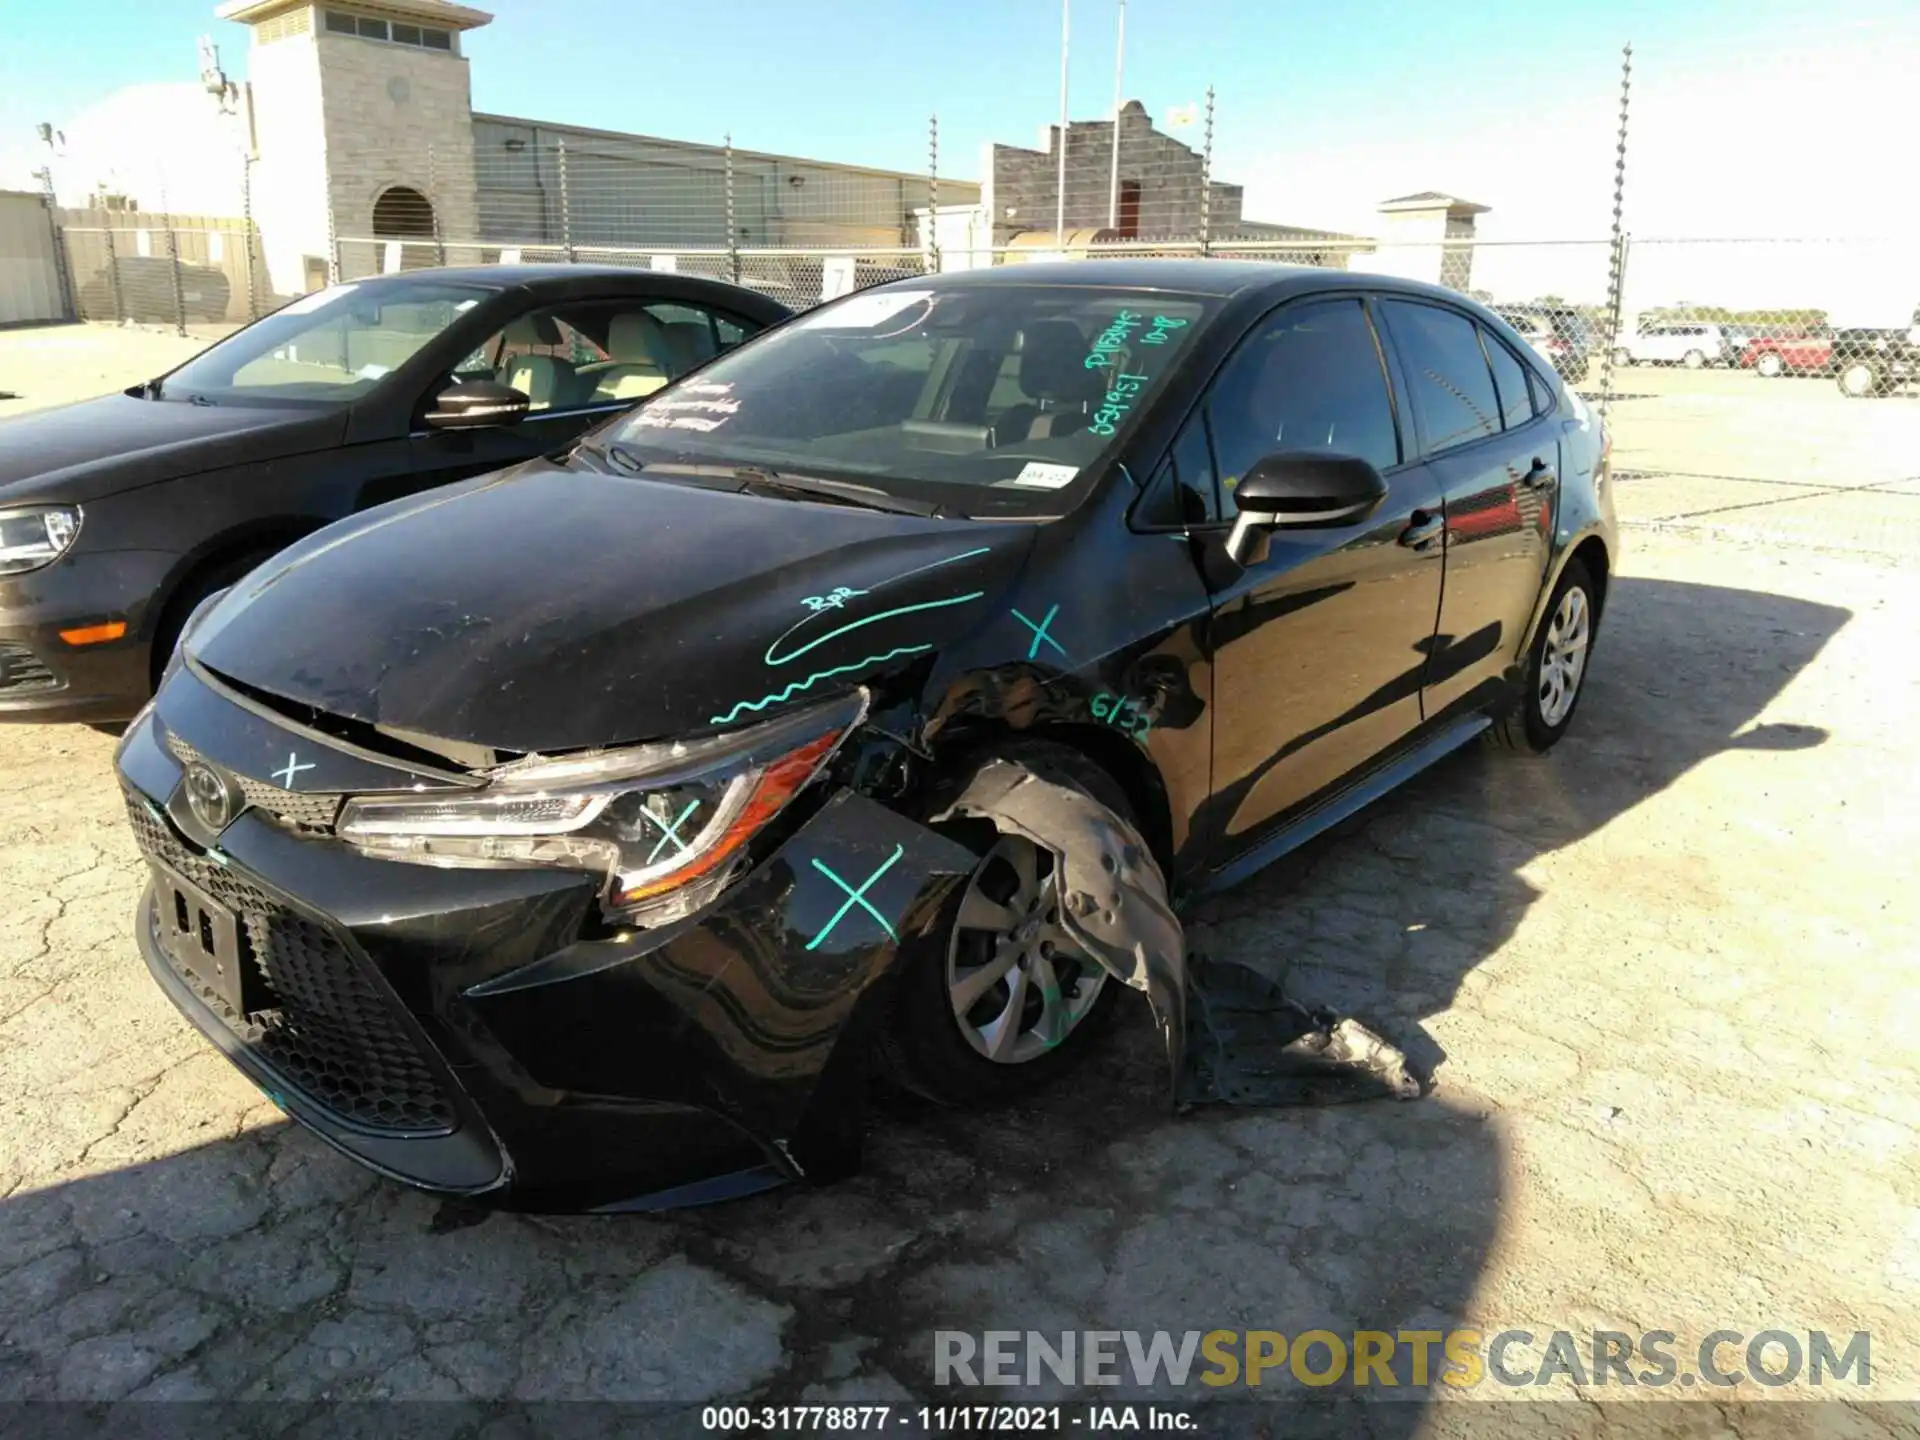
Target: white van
(1674, 342)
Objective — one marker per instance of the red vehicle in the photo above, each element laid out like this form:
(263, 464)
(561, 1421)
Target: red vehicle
(1810, 353)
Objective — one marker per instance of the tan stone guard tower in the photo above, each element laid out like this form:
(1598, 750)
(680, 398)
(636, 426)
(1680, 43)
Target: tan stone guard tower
(364, 108)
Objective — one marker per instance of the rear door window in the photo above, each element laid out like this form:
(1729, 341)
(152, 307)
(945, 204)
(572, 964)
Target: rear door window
(1510, 382)
(1453, 391)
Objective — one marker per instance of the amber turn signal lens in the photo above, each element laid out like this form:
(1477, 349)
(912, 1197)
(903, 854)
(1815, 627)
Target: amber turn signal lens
(95, 634)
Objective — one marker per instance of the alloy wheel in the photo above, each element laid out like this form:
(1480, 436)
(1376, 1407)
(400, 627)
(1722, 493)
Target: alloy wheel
(1694, 359)
(1564, 659)
(1857, 380)
(1018, 982)
(1770, 365)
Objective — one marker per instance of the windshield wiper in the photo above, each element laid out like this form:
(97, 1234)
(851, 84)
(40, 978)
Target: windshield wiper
(616, 455)
(756, 481)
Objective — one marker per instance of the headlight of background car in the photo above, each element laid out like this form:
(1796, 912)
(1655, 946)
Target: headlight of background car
(32, 538)
(664, 823)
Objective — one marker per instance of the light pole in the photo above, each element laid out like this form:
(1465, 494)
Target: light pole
(1060, 199)
(1113, 180)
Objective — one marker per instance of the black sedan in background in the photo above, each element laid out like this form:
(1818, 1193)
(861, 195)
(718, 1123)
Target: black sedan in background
(119, 515)
(573, 836)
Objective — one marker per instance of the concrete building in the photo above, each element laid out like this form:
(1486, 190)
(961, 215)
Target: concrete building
(545, 184)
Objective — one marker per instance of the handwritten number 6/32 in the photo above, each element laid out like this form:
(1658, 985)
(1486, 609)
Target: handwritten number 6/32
(1122, 713)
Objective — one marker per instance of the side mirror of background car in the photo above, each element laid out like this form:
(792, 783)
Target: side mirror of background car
(476, 405)
(1300, 490)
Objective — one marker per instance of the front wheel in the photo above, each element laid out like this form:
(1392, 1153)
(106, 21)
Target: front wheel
(1015, 1000)
(1622, 359)
(1556, 668)
(1771, 366)
(1694, 359)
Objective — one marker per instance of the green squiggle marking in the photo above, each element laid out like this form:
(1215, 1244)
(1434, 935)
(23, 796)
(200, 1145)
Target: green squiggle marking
(865, 620)
(814, 679)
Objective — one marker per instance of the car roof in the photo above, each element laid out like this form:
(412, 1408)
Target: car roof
(1221, 278)
(507, 277)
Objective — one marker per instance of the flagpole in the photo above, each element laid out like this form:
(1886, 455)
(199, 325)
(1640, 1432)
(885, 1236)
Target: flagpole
(1060, 201)
(1113, 181)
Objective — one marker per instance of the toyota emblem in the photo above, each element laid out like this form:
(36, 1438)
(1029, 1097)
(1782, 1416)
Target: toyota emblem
(213, 798)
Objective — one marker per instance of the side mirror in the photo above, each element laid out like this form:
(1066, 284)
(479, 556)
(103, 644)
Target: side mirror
(476, 405)
(1300, 490)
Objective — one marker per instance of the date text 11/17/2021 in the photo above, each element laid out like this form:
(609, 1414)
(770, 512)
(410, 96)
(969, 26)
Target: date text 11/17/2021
(947, 1419)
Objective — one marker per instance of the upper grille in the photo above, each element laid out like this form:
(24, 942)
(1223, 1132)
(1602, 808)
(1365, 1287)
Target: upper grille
(302, 811)
(22, 672)
(334, 1034)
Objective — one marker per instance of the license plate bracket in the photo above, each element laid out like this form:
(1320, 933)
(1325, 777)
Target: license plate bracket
(204, 938)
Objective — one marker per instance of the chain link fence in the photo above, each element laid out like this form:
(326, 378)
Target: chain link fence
(158, 269)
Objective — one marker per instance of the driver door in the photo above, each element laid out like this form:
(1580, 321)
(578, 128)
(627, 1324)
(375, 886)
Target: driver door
(1319, 649)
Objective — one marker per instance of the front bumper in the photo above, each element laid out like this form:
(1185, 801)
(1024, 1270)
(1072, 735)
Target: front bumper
(45, 680)
(476, 1032)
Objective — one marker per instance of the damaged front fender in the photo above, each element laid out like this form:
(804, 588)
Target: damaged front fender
(761, 1008)
(1115, 897)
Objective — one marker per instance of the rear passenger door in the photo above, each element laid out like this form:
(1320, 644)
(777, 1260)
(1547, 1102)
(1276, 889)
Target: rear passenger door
(1495, 457)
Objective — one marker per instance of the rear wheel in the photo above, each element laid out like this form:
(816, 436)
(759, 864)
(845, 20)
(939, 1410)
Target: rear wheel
(1694, 359)
(1860, 380)
(1014, 1000)
(1771, 365)
(1556, 669)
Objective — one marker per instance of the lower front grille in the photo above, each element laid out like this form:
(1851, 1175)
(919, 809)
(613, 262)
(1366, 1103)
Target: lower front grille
(22, 672)
(333, 1032)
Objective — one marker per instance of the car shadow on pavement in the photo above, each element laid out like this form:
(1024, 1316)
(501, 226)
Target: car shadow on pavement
(267, 1267)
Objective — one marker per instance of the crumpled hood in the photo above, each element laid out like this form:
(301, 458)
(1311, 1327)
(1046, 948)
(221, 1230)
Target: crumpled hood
(76, 453)
(553, 609)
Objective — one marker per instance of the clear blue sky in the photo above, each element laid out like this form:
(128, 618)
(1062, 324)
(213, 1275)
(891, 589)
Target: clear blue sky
(856, 81)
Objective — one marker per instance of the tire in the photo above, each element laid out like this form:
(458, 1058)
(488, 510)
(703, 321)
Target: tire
(1694, 359)
(1532, 725)
(187, 599)
(940, 1055)
(1771, 366)
(1622, 359)
(1860, 381)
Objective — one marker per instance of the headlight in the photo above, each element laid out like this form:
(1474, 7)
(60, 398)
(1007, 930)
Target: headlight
(664, 823)
(32, 538)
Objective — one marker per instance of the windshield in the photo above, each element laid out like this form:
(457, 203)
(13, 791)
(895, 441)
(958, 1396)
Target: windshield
(989, 398)
(327, 348)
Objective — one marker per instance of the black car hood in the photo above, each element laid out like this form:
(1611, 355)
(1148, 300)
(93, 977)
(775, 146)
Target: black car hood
(81, 452)
(554, 609)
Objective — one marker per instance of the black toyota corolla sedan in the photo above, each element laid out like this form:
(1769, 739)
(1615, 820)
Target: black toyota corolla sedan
(579, 835)
(118, 515)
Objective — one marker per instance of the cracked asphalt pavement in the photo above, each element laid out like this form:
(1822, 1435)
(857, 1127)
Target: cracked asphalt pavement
(1662, 981)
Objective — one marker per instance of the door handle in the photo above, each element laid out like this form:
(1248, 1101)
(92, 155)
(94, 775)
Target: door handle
(1422, 530)
(1540, 474)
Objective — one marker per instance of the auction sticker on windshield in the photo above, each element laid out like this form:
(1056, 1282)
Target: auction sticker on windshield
(1043, 476)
